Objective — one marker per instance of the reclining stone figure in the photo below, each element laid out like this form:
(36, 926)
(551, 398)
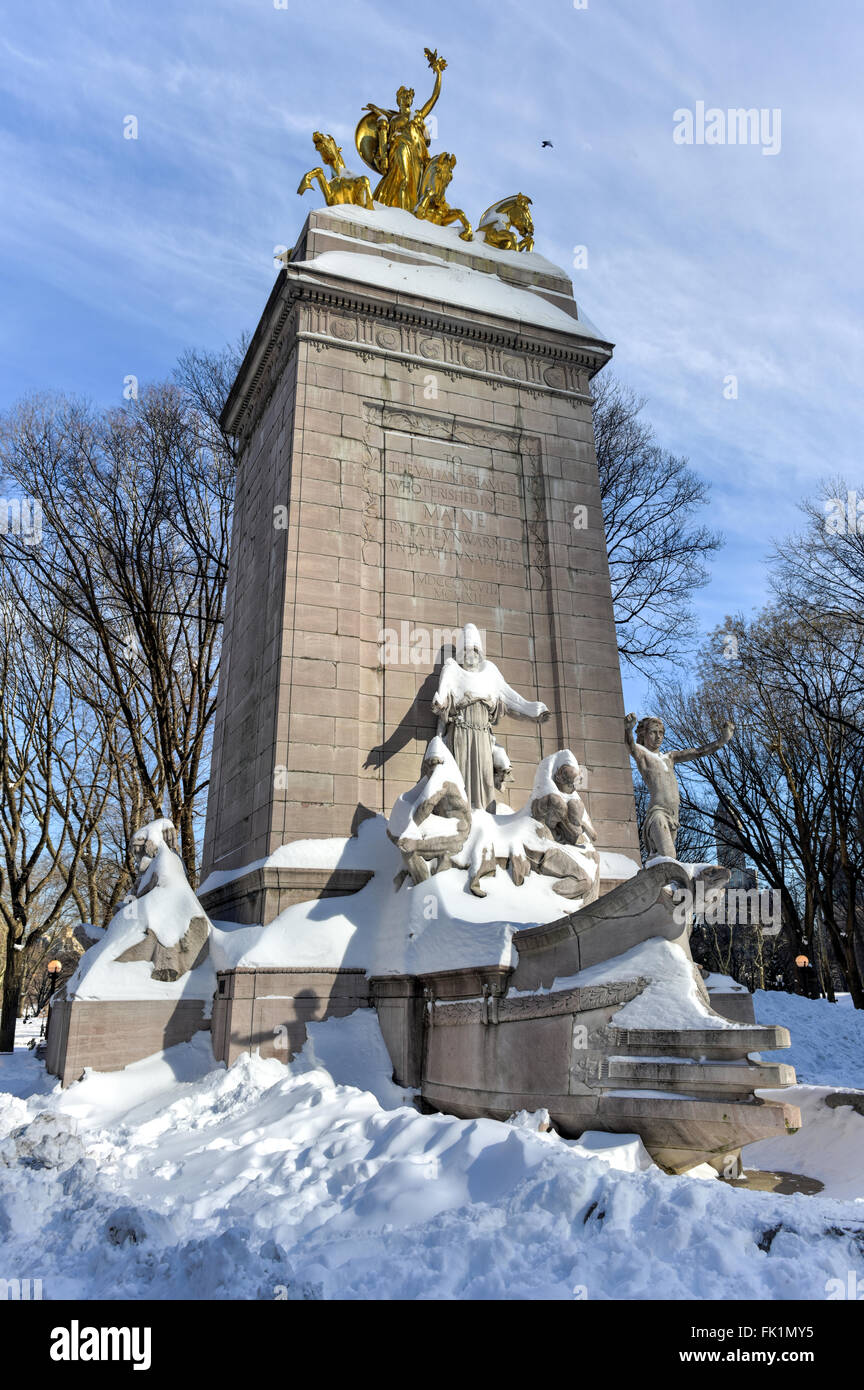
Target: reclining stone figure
(430, 823)
(185, 944)
(555, 802)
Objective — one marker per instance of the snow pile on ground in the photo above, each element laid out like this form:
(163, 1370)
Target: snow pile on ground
(353, 1049)
(165, 906)
(623, 1151)
(827, 1039)
(173, 1179)
(828, 1146)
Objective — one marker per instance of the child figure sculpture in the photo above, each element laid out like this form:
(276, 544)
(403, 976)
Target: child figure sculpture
(660, 831)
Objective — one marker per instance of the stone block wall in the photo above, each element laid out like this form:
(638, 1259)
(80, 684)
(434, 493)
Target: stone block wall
(108, 1034)
(266, 1010)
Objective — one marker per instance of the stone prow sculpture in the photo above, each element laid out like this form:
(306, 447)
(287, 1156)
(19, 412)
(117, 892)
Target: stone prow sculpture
(640, 908)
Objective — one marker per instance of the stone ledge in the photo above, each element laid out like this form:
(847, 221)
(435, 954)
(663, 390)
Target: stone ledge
(330, 229)
(568, 1001)
(260, 895)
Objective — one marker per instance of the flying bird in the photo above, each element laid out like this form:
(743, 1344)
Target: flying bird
(544, 144)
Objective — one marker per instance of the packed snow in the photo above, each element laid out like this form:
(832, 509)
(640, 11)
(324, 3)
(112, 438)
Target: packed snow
(398, 222)
(360, 852)
(178, 1179)
(451, 284)
(827, 1039)
(348, 852)
(435, 925)
(828, 1146)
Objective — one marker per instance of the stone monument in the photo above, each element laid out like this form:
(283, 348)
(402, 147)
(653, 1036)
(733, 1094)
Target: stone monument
(418, 523)
(416, 450)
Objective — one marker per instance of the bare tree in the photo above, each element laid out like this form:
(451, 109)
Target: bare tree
(55, 782)
(821, 569)
(136, 507)
(658, 553)
(794, 773)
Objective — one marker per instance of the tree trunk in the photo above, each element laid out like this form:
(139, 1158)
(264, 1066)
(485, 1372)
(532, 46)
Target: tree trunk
(11, 995)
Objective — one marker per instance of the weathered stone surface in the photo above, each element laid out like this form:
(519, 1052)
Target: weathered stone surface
(737, 1007)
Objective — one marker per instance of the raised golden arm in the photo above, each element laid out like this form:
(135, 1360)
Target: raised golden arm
(437, 65)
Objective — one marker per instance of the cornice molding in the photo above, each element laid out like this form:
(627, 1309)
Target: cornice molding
(457, 343)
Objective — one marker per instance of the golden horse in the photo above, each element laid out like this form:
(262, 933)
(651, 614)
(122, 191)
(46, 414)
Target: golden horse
(432, 206)
(340, 188)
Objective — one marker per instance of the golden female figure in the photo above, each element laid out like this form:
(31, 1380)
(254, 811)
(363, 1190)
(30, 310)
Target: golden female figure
(396, 143)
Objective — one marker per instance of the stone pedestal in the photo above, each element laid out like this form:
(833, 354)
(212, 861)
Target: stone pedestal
(263, 893)
(414, 416)
(109, 1034)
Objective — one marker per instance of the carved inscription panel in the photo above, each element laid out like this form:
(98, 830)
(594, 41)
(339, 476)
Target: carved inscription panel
(461, 518)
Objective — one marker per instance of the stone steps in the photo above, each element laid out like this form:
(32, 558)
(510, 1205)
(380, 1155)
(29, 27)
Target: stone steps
(714, 1078)
(709, 1044)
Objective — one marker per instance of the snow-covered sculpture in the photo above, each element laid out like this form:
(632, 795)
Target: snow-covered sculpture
(657, 770)
(175, 937)
(430, 823)
(508, 224)
(146, 843)
(552, 834)
(502, 770)
(472, 697)
(557, 805)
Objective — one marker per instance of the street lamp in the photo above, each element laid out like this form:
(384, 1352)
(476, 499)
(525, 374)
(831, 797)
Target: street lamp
(53, 968)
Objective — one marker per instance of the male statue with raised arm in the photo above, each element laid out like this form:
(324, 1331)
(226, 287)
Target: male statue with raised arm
(657, 770)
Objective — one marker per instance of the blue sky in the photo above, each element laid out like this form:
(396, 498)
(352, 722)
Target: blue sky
(703, 260)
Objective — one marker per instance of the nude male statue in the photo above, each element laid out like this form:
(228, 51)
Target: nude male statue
(657, 770)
